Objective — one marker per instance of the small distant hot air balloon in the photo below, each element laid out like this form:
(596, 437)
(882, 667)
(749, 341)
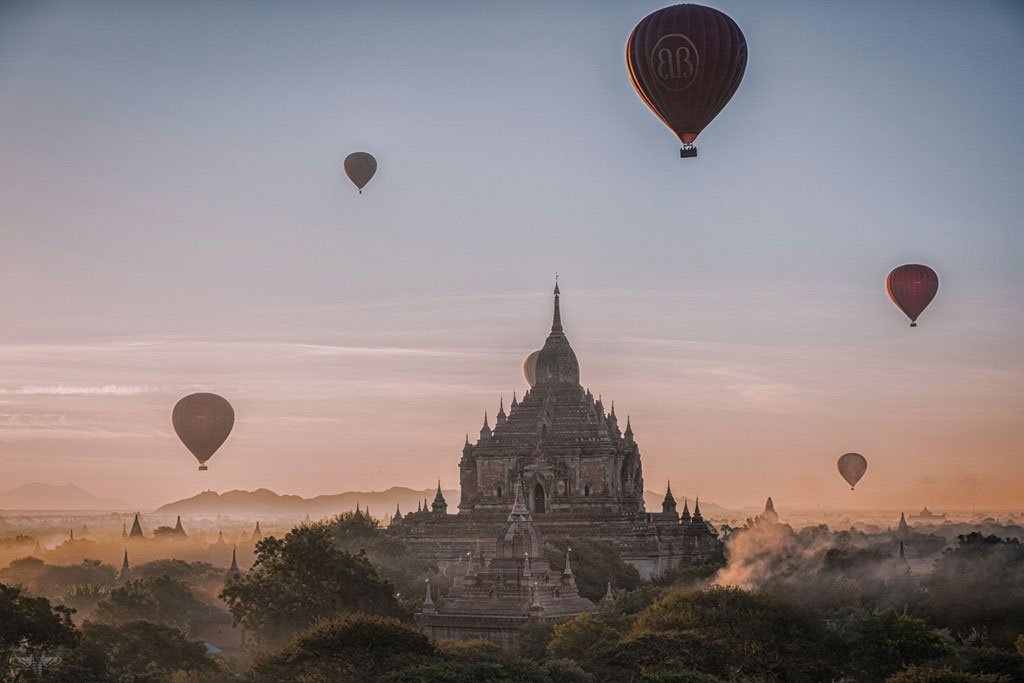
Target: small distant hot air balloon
(360, 167)
(912, 287)
(203, 422)
(686, 62)
(852, 466)
(530, 368)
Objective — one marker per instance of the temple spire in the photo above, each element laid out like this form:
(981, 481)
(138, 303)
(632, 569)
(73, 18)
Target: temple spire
(233, 570)
(568, 567)
(629, 429)
(556, 319)
(428, 604)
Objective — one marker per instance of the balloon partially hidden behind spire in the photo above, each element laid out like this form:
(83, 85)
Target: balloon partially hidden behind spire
(556, 361)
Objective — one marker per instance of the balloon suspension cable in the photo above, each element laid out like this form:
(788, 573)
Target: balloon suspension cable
(687, 150)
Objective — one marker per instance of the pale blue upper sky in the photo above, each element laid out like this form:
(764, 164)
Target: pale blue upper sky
(170, 173)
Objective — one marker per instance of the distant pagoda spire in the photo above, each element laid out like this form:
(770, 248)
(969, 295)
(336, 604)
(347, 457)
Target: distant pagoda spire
(903, 530)
(179, 530)
(515, 401)
(126, 570)
(136, 531)
(257, 534)
(233, 570)
(72, 534)
(38, 550)
(556, 318)
(686, 511)
(696, 511)
(485, 431)
(124, 530)
(629, 429)
(220, 538)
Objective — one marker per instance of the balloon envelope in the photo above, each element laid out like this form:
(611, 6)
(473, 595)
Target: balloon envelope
(203, 422)
(360, 167)
(852, 466)
(530, 368)
(912, 287)
(686, 62)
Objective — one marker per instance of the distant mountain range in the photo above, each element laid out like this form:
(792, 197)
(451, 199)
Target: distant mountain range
(38, 496)
(381, 503)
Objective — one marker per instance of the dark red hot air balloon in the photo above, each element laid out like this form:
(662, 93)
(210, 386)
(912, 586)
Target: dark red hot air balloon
(686, 62)
(203, 422)
(912, 287)
(852, 467)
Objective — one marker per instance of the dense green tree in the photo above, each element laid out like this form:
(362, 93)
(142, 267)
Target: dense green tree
(156, 599)
(944, 675)
(979, 586)
(302, 578)
(882, 643)
(361, 533)
(356, 647)
(140, 652)
(991, 660)
(730, 633)
(595, 564)
(534, 637)
(482, 660)
(590, 640)
(32, 621)
(202, 576)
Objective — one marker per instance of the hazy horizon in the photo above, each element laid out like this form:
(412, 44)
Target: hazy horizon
(175, 220)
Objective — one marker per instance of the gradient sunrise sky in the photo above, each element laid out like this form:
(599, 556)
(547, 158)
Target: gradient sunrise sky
(173, 218)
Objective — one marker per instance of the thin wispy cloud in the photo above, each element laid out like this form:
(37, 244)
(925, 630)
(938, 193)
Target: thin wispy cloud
(73, 390)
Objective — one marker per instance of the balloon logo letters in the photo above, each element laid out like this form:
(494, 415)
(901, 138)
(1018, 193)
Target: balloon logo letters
(852, 467)
(203, 423)
(675, 62)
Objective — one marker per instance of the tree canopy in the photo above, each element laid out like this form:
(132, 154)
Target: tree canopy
(302, 578)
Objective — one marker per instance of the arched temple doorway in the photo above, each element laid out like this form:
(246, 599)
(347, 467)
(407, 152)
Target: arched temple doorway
(538, 499)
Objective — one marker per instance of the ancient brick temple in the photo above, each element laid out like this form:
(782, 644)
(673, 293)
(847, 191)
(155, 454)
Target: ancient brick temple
(582, 476)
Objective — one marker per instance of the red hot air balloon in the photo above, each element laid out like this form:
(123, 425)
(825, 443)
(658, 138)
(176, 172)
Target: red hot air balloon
(203, 422)
(686, 62)
(852, 467)
(912, 287)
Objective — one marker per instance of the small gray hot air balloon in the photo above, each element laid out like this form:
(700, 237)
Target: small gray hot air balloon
(530, 368)
(203, 422)
(852, 466)
(360, 167)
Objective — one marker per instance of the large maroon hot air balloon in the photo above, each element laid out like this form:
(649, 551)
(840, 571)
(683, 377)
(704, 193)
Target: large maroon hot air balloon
(686, 62)
(912, 287)
(203, 422)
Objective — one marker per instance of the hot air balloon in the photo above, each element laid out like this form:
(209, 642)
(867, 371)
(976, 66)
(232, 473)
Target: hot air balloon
(360, 167)
(203, 422)
(912, 287)
(686, 62)
(530, 368)
(852, 466)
